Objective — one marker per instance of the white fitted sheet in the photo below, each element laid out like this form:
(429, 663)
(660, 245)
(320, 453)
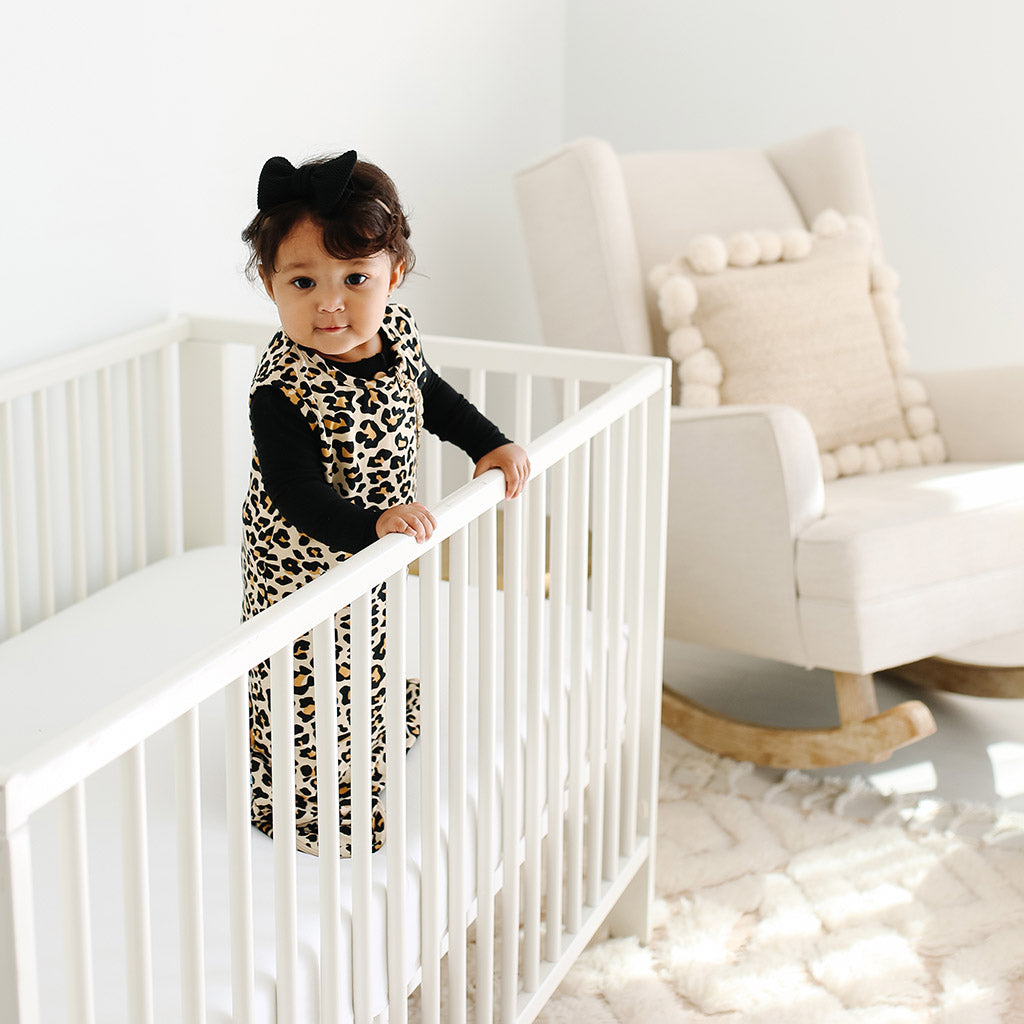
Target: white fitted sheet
(209, 580)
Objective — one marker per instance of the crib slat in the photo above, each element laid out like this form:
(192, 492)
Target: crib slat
(9, 523)
(430, 463)
(478, 387)
(236, 752)
(486, 810)
(138, 934)
(458, 656)
(362, 837)
(524, 407)
(458, 867)
(75, 888)
(325, 694)
(395, 795)
(169, 375)
(570, 397)
(76, 490)
(108, 497)
(579, 488)
(136, 457)
(190, 866)
(597, 691)
(44, 517)
(478, 396)
(282, 754)
(555, 842)
(512, 771)
(616, 646)
(430, 733)
(532, 879)
(636, 513)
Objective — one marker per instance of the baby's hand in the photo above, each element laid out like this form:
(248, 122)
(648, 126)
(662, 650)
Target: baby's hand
(512, 461)
(414, 519)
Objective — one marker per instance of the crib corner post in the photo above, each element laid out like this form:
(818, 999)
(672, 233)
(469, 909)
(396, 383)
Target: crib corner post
(18, 988)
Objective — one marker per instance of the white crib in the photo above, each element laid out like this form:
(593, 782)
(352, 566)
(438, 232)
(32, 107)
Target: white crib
(132, 886)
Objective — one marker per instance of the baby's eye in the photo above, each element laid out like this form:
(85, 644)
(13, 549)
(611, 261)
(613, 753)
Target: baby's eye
(303, 283)
(356, 279)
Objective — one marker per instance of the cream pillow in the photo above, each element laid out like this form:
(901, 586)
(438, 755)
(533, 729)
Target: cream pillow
(807, 319)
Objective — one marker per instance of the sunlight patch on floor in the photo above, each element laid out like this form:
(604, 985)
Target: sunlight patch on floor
(1007, 767)
(919, 777)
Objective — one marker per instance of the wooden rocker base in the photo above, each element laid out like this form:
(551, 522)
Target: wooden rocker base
(970, 678)
(864, 735)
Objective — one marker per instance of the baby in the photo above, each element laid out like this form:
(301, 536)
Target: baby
(337, 406)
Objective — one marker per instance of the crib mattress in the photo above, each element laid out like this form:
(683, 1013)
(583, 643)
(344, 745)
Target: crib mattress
(74, 640)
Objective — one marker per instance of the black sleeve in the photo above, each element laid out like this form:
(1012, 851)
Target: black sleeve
(452, 417)
(289, 455)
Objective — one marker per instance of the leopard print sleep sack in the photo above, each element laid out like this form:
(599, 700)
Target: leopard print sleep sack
(369, 434)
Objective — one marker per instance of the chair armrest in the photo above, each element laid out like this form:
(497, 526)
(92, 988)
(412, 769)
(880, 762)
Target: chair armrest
(768, 451)
(744, 481)
(980, 412)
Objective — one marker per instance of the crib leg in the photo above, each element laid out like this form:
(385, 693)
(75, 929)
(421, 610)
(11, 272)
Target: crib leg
(18, 992)
(631, 915)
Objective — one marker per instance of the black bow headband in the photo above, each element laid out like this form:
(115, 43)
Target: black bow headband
(324, 186)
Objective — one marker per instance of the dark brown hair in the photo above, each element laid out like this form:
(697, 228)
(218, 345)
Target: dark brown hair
(369, 221)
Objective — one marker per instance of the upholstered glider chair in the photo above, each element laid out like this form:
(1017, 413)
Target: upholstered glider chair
(828, 507)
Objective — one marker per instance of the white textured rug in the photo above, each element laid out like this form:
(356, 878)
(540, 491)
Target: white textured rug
(783, 899)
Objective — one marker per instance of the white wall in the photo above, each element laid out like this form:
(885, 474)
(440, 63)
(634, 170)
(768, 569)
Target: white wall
(133, 135)
(934, 86)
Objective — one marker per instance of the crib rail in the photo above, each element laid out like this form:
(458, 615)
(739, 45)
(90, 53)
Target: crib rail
(551, 684)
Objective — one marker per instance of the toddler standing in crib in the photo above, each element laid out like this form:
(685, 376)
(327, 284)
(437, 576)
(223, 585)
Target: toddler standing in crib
(336, 406)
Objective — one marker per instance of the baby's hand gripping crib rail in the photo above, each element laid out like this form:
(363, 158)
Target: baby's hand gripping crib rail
(132, 886)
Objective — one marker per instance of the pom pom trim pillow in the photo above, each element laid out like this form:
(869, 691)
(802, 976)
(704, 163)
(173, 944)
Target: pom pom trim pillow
(807, 319)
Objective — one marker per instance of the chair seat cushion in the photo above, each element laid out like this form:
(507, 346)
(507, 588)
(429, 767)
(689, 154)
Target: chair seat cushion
(890, 533)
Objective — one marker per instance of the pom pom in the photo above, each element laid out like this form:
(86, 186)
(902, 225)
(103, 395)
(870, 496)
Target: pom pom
(872, 460)
(910, 453)
(700, 396)
(920, 420)
(829, 467)
(677, 299)
(657, 276)
(770, 244)
(707, 254)
(899, 358)
(912, 392)
(702, 367)
(887, 310)
(743, 250)
(859, 227)
(829, 224)
(683, 342)
(884, 278)
(796, 243)
(889, 453)
(850, 459)
(894, 334)
(933, 448)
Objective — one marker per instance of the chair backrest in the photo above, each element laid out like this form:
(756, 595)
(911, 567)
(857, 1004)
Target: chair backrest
(595, 223)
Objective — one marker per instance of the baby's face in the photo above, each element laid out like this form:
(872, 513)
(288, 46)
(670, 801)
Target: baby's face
(331, 305)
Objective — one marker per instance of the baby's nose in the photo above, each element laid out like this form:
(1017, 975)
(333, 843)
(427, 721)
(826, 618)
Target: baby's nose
(333, 303)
